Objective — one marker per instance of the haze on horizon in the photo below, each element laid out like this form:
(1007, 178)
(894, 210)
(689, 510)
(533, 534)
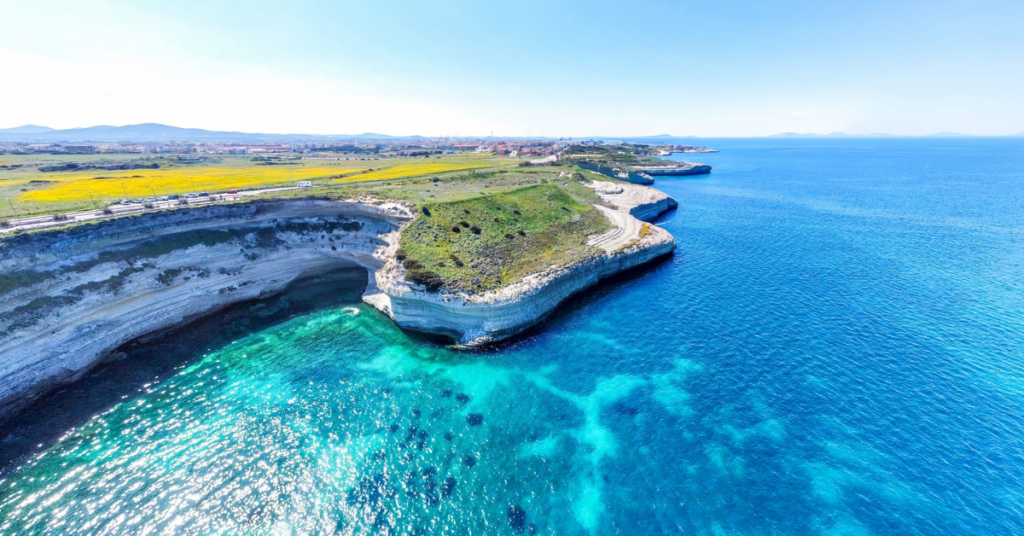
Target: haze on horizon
(735, 68)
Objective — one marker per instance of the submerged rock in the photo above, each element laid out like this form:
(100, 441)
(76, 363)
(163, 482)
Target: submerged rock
(517, 518)
(469, 461)
(475, 419)
(448, 487)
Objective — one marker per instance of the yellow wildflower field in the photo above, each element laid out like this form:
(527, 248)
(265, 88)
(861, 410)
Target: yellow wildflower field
(105, 186)
(414, 169)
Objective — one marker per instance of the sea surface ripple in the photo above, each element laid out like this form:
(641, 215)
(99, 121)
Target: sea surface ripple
(836, 347)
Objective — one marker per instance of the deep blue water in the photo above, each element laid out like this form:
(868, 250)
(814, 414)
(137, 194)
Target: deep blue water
(836, 347)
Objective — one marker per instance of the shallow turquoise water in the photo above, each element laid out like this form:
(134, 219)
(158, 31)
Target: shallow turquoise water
(836, 348)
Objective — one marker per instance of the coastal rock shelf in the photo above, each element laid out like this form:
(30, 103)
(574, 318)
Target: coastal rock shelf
(70, 297)
(644, 174)
(479, 319)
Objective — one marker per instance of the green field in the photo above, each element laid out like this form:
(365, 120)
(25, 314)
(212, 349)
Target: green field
(51, 184)
(485, 242)
(483, 222)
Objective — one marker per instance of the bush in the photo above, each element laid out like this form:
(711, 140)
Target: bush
(5, 223)
(425, 211)
(60, 217)
(455, 229)
(426, 278)
(475, 229)
(464, 224)
(148, 205)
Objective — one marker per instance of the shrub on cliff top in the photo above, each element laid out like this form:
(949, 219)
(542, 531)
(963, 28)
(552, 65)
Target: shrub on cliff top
(512, 234)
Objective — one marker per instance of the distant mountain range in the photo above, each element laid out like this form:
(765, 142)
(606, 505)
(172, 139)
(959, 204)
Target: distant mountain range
(155, 132)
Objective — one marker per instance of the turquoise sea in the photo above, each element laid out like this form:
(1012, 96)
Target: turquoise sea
(836, 347)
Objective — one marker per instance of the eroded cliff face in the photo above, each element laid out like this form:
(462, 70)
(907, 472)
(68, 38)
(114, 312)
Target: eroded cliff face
(68, 298)
(478, 319)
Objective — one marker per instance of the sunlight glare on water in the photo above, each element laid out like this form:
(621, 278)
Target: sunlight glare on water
(835, 348)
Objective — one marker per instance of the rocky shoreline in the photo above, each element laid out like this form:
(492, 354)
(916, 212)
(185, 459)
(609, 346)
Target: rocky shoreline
(480, 319)
(70, 297)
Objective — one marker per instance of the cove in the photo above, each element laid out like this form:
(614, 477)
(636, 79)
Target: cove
(834, 348)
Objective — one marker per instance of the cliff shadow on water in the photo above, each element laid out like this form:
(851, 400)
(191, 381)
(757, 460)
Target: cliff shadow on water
(139, 364)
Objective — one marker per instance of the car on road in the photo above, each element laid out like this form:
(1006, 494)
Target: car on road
(173, 197)
(232, 191)
(204, 194)
(191, 196)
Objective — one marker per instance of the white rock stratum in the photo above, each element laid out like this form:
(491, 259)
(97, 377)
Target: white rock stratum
(69, 297)
(478, 319)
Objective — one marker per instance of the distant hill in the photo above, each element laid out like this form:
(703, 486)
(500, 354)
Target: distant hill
(155, 132)
(26, 129)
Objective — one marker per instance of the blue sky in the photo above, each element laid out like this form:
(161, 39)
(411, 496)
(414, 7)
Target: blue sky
(727, 68)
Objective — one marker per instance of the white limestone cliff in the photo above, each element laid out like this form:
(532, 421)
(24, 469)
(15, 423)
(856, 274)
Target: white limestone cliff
(478, 319)
(69, 297)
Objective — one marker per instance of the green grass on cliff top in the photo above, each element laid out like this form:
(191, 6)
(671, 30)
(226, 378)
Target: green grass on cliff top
(482, 243)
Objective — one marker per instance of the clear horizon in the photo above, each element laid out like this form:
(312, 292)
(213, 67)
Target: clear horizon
(737, 69)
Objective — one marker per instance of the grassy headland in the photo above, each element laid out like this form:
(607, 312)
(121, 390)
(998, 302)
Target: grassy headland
(483, 243)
